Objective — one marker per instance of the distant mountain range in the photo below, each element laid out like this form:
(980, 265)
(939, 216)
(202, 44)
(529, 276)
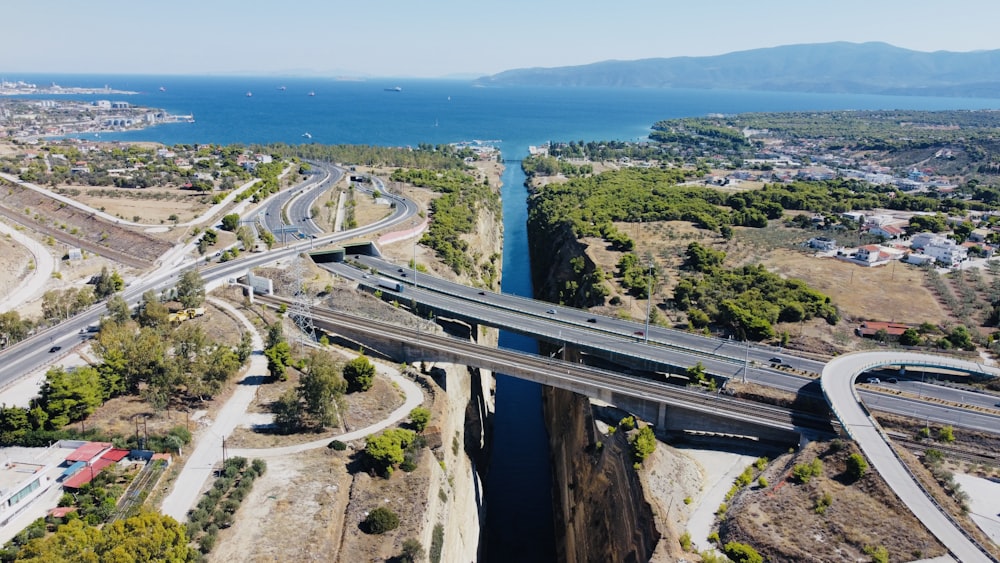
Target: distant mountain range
(841, 67)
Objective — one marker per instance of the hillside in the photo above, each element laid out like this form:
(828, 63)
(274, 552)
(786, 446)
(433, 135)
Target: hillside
(841, 67)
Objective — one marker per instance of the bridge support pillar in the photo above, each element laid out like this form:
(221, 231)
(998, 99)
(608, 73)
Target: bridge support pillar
(661, 416)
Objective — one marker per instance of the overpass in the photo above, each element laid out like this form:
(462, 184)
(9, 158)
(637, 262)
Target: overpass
(669, 407)
(837, 382)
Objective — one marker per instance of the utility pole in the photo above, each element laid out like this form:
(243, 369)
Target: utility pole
(649, 301)
(746, 362)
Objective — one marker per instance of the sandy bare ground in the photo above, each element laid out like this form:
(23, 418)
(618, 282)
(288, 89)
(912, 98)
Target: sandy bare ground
(151, 205)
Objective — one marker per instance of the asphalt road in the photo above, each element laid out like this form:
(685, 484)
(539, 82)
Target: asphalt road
(838, 384)
(32, 353)
(719, 356)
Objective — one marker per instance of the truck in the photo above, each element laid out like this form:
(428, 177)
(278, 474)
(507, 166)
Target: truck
(390, 284)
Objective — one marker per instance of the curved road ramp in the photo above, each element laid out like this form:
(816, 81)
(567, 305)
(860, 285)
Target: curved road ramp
(838, 388)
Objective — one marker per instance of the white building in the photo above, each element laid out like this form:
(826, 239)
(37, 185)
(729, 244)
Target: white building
(946, 251)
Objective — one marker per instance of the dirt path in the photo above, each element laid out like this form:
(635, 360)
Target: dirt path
(34, 284)
(208, 452)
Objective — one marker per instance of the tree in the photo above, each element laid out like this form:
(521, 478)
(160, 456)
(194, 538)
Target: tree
(107, 283)
(245, 347)
(152, 313)
(118, 309)
(69, 396)
(856, 466)
(381, 520)
(643, 443)
(287, 411)
(359, 373)
(147, 537)
(961, 338)
(386, 450)
(420, 416)
(245, 236)
(191, 289)
(696, 372)
(320, 387)
(910, 337)
(278, 358)
(230, 222)
(413, 551)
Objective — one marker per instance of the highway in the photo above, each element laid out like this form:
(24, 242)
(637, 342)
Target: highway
(613, 337)
(32, 353)
(296, 204)
(838, 386)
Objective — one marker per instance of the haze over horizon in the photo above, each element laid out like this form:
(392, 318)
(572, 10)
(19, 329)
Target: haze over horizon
(448, 38)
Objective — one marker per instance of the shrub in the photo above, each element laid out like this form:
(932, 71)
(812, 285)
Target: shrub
(685, 541)
(437, 543)
(413, 551)
(381, 520)
(628, 423)
(804, 472)
(742, 553)
(714, 538)
(687, 500)
(878, 553)
(419, 417)
(643, 443)
(823, 503)
(337, 445)
(762, 482)
(856, 466)
(946, 434)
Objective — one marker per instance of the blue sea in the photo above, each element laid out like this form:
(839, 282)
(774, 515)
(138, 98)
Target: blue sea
(519, 523)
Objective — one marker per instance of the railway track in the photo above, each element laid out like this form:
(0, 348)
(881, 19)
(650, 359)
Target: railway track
(134, 497)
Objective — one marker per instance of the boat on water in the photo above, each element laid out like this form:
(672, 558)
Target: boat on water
(249, 94)
(282, 88)
(394, 89)
(162, 89)
(312, 93)
(307, 135)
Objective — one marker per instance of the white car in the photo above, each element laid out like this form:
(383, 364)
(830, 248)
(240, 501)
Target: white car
(874, 380)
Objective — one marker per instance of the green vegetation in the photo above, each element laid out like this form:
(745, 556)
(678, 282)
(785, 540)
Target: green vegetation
(387, 450)
(381, 520)
(856, 466)
(804, 472)
(419, 417)
(359, 374)
(218, 505)
(822, 503)
(742, 553)
(878, 553)
(747, 301)
(643, 443)
(413, 551)
(437, 543)
(147, 537)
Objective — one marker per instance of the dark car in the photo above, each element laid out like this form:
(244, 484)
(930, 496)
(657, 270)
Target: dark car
(892, 380)
(591, 320)
(482, 293)
(399, 270)
(54, 349)
(639, 333)
(775, 360)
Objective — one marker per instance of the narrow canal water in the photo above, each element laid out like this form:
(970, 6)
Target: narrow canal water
(519, 486)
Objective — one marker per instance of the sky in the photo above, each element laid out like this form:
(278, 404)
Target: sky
(450, 38)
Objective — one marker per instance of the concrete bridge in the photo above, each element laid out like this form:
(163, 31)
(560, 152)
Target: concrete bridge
(670, 407)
